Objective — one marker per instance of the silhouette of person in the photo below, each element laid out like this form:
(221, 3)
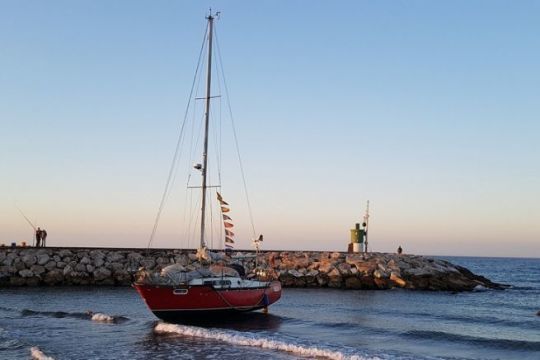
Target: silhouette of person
(399, 250)
(43, 238)
(38, 237)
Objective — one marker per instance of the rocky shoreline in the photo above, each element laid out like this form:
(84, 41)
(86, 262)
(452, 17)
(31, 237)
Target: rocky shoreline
(316, 269)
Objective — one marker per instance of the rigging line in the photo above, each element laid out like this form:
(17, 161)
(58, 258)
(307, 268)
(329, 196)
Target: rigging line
(193, 222)
(193, 225)
(219, 150)
(195, 144)
(192, 137)
(184, 220)
(218, 159)
(187, 210)
(177, 150)
(192, 144)
(235, 138)
(200, 133)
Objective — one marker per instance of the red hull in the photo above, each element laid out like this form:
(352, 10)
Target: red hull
(167, 302)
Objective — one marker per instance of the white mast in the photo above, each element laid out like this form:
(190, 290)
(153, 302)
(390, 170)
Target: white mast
(210, 19)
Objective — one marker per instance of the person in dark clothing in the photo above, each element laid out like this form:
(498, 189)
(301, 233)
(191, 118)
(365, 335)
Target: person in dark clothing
(43, 238)
(399, 250)
(38, 237)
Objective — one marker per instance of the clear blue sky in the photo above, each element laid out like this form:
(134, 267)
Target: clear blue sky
(428, 109)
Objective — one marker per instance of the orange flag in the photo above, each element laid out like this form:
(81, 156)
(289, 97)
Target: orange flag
(220, 199)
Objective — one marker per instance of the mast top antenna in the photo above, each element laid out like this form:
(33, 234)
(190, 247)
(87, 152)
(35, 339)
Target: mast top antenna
(211, 16)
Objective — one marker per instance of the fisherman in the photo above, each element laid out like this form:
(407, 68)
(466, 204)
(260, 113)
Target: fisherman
(399, 250)
(43, 238)
(363, 236)
(39, 233)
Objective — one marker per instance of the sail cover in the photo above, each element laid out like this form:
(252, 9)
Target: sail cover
(227, 222)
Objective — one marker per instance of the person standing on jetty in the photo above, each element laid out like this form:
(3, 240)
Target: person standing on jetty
(39, 234)
(399, 250)
(43, 238)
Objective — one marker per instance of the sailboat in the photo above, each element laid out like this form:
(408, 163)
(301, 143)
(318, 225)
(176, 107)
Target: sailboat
(215, 290)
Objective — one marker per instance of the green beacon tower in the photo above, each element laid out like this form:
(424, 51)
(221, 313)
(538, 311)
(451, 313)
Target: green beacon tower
(357, 238)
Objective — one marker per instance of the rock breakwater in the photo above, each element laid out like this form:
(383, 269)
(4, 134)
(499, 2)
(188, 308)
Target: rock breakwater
(84, 266)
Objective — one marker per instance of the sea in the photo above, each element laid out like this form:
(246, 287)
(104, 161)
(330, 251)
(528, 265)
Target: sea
(114, 323)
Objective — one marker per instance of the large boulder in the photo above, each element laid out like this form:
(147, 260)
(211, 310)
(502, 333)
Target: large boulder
(54, 277)
(77, 278)
(116, 267)
(353, 282)
(102, 274)
(344, 269)
(50, 265)
(382, 283)
(42, 259)
(29, 260)
(326, 267)
(26, 273)
(296, 273)
(8, 260)
(94, 254)
(80, 268)
(114, 256)
(134, 257)
(99, 261)
(398, 280)
(65, 253)
(19, 264)
(37, 269)
(68, 269)
(334, 279)
(122, 277)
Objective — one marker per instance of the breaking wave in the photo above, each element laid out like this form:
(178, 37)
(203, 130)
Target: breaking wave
(88, 315)
(37, 354)
(243, 340)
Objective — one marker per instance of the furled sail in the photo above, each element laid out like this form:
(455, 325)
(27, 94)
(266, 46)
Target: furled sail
(227, 222)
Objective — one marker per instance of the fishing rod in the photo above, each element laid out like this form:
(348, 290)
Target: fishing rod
(29, 223)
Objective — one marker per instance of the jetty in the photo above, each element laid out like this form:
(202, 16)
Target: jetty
(61, 266)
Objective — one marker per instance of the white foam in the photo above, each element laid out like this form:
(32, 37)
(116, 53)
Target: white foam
(243, 340)
(480, 288)
(100, 317)
(37, 354)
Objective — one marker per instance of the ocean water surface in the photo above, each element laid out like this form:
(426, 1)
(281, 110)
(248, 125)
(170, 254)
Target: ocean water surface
(114, 323)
